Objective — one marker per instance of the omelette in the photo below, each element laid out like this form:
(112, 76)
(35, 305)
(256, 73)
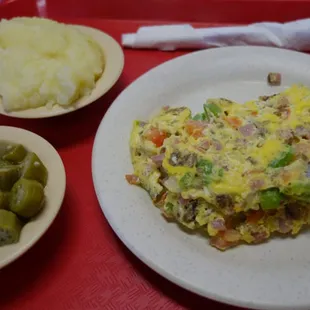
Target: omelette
(239, 173)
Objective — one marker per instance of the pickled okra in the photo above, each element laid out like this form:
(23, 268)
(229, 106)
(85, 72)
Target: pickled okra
(15, 153)
(10, 227)
(4, 200)
(8, 176)
(26, 198)
(23, 177)
(34, 169)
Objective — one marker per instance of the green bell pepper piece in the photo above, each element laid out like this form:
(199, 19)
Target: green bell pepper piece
(186, 181)
(270, 199)
(284, 158)
(199, 117)
(212, 108)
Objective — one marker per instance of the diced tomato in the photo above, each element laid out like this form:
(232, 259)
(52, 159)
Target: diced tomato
(195, 128)
(132, 179)
(156, 136)
(234, 121)
(254, 113)
(254, 216)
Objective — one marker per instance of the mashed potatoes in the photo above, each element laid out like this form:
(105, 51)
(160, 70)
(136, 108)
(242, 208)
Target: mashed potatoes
(43, 62)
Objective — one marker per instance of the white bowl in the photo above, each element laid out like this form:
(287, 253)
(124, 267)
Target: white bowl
(114, 63)
(54, 191)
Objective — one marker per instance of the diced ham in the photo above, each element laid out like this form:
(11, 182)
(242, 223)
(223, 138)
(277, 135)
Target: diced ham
(247, 130)
(158, 159)
(218, 146)
(218, 224)
(257, 184)
(302, 132)
(259, 236)
(285, 226)
(203, 146)
(182, 201)
(274, 78)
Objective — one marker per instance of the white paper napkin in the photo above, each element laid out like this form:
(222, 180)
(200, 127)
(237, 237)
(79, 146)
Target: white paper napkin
(292, 35)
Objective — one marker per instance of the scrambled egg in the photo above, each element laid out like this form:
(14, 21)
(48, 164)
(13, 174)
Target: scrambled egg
(238, 172)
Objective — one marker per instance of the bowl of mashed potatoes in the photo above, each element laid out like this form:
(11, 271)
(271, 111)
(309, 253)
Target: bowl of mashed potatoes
(49, 68)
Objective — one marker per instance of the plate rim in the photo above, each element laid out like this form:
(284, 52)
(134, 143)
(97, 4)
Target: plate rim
(23, 114)
(155, 267)
(25, 248)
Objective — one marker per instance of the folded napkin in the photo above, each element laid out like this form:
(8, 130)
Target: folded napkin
(292, 35)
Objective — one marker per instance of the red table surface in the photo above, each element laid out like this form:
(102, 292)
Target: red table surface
(80, 263)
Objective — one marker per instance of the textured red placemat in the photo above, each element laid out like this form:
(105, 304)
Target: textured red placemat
(79, 263)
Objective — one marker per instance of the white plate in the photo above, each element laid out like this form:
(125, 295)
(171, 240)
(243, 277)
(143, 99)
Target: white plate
(114, 63)
(275, 275)
(54, 191)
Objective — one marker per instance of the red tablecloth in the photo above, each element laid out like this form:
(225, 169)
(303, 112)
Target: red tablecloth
(79, 263)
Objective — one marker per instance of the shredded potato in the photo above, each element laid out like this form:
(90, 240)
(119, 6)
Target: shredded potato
(43, 62)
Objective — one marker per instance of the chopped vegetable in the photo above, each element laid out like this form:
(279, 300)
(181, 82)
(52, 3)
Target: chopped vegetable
(205, 165)
(221, 172)
(270, 199)
(206, 168)
(212, 109)
(284, 159)
(187, 180)
(199, 117)
(234, 121)
(156, 136)
(169, 206)
(195, 128)
(132, 179)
